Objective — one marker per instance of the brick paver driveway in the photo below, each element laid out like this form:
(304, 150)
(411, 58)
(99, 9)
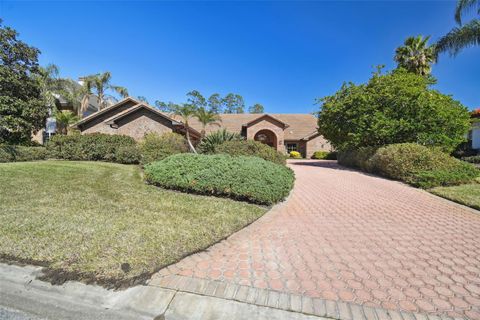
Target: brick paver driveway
(345, 235)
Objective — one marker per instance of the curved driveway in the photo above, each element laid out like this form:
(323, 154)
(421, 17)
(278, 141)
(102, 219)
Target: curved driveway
(345, 235)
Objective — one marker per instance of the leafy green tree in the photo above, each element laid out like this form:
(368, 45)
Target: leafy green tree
(142, 99)
(391, 108)
(196, 99)
(416, 55)
(64, 120)
(463, 36)
(256, 108)
(22, 109)
(77, 94)
(215, 103)
(206, 117)
(185, 112)
(50, 84)
(233, 103)
(102, 87)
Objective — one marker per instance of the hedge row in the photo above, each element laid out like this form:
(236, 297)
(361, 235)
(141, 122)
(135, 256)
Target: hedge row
(242, 178)
(21, 153)
(412, 163)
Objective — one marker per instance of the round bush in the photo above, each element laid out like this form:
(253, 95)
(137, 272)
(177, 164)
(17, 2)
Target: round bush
(243, 178)
(295, 155)
(155, 147)
(251, 148)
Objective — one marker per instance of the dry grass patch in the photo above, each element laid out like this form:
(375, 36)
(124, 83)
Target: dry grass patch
(100, 222)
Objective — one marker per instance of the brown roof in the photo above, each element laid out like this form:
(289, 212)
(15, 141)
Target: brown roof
(299, 125)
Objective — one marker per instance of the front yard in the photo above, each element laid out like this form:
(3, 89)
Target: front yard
(100, 221)
(467, 194)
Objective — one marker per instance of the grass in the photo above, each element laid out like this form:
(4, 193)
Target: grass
(466, 194)
(96, 221)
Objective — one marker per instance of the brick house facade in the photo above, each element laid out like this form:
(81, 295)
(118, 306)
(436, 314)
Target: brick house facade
(284, 132)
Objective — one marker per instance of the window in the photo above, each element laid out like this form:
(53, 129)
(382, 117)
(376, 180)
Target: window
(291, 147)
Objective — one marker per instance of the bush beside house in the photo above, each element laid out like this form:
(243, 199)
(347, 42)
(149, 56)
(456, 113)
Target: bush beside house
(155, 147)
(22, 153)
(324, 155)
(240, 177)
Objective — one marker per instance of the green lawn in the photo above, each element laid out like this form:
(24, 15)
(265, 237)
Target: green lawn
(467, 194)
(87, 219)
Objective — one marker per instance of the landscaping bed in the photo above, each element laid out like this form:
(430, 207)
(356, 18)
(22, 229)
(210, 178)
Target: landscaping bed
(99, 222)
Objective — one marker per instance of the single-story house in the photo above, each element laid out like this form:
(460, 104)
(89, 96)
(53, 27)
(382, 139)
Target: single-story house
(474, 134)
(284, 132)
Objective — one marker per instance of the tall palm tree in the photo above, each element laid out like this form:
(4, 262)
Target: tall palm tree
(463, 36)
(64, 120)
(416, 55)
(185, 112)
(206, 117)
(100, 83)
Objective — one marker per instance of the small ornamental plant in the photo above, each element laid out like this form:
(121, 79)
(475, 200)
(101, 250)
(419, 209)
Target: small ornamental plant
(295, 155)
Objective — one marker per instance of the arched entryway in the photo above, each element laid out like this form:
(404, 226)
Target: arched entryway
(267, 137)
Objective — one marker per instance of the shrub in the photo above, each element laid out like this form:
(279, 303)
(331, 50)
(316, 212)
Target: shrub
(472, 159)
(128, 155)
(251, 148)
(22, 153)
(156, 147)
(295, 155)
(93, 147)
(391, 108)
(242, 178)
(324, 155)
(359, 158)
(214, 139)
(459, 174)
(421, 166)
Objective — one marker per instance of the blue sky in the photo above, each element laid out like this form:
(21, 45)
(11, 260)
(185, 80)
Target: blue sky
(280, 54)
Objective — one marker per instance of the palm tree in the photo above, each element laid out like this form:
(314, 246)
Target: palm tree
(185, 111)
(49, 83)
(206, 117)
(77, 94)
(100, 83)
(463, 36)
(416, 55)
(64, 120)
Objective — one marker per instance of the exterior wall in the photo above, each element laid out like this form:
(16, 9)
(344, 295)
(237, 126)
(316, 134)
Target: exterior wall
(268, 124)
(317, 144)
(135, 125)
(476, 136)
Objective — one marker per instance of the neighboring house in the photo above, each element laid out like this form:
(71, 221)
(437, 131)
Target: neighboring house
(474, 135)
(284, 132)
(61, 104)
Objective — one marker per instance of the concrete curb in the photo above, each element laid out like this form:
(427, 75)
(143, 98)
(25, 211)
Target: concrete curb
(288, 302)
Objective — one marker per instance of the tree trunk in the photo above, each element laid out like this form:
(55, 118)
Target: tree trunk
(192, 148)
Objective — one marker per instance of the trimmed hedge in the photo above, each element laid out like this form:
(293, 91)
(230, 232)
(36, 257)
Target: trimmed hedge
(155, 147)
(412, 163)
(324, 155)
(242, 178)
(92, 147)
(357, 158)
(251, 148)
(10, 153)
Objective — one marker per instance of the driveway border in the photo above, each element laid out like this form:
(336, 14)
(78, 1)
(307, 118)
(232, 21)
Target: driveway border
(285, 301)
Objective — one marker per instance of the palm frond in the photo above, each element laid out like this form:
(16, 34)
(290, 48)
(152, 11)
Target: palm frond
(463, 6)
(460, 38)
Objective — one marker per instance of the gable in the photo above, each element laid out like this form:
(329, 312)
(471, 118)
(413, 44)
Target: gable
(267, 118)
